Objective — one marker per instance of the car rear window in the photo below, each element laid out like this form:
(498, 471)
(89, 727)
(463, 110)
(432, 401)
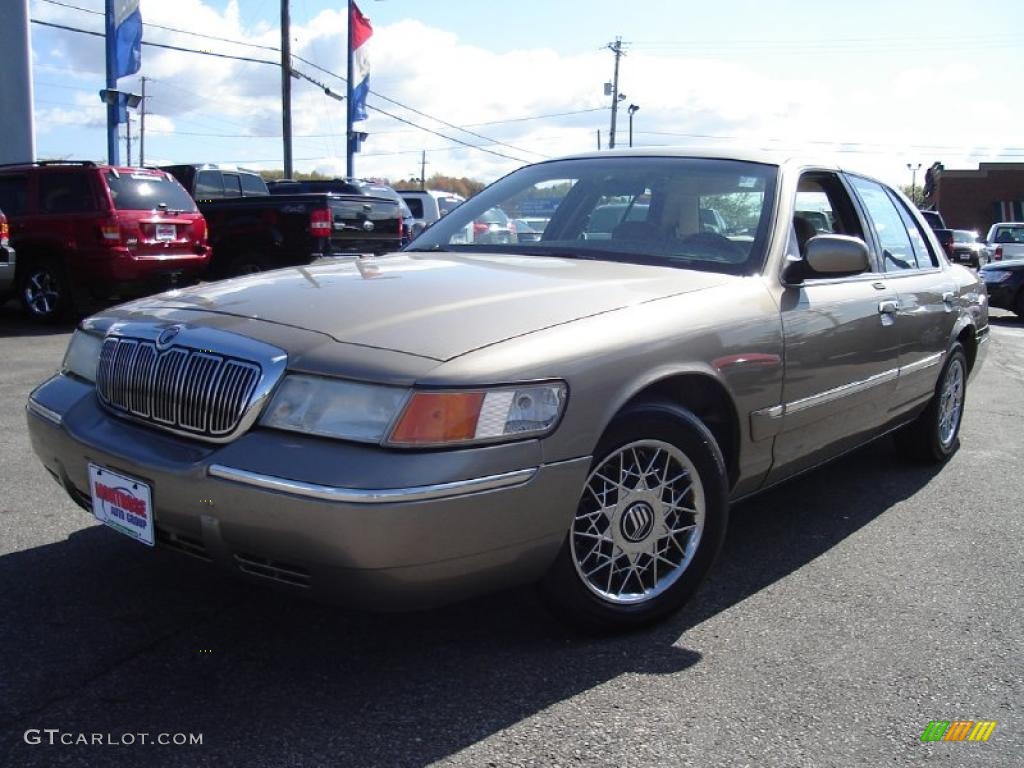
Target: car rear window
(147, 192)
(415, 205)
(1009, 235)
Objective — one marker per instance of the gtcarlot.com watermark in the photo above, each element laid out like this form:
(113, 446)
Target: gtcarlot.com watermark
(55, 736)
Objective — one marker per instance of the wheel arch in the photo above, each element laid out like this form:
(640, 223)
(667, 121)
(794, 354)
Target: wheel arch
(702, 393)
(965, 333)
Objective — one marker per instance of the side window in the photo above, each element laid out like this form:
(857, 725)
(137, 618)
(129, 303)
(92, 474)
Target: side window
(823, 207)
(897, 250)
(13, 194)
(922, 250)
(209, 185)
(232, 185)
(610, 211)
(65, 193)
(253, 185)
(416, 206)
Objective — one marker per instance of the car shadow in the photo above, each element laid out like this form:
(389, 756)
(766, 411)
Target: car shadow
(14, 321)
(1007, 319)
(102, 635)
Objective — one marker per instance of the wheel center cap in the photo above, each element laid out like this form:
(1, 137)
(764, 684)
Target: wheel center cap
(637, 522)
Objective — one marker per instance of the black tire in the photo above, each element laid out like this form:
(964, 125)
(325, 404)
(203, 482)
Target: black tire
(249, 263)
(566, 588)
(1018, 304)
(44, 291)
(922, 439)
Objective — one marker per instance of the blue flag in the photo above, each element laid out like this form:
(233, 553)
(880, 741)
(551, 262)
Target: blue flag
(127, 37)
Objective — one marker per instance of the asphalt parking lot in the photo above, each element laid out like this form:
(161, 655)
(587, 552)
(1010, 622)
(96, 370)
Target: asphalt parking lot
(848, 609)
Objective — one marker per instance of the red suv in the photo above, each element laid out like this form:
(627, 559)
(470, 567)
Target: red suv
(85, 231)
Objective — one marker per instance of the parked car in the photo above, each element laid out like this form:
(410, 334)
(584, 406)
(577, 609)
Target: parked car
(1006, 240)
(253, 231)
(400, 431)
(525, 232)
(493, 226)
(85, 231)
(429, 205)
(8, 260)
(350, 187)
(942, 233)
(1004, 281)
(969, 249)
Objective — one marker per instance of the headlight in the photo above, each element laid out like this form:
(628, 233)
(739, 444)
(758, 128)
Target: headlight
(334, 408)
(995, 275)
(452, 418)
(83, 355)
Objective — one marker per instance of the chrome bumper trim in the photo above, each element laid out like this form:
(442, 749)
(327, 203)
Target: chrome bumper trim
(42, 411)
(372, 496)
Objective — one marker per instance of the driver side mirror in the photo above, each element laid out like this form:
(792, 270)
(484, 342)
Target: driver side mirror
(829, 256)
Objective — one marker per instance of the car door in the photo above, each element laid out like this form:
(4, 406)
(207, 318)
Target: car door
(924, 290)
(841, 344)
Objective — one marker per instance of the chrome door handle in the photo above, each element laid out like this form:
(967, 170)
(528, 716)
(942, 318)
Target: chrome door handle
(890, 307)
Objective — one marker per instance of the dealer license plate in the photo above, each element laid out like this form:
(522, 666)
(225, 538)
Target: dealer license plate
(124, 503)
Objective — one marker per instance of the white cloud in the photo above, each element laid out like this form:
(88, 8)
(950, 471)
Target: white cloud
(698, 100)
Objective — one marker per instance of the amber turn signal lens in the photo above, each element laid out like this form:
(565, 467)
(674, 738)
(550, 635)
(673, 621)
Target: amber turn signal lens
(431, 418)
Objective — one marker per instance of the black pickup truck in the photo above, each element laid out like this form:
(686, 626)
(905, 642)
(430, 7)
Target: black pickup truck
(250, 230)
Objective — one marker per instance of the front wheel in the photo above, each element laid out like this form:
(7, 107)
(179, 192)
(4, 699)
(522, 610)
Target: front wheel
(650, 520)
(935, 435)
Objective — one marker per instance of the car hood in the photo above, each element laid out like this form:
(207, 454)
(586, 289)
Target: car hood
(434, 305)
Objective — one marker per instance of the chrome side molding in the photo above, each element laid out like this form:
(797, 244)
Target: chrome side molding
(372, 496)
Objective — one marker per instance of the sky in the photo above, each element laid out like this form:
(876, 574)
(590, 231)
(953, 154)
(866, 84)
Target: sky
(880, 86)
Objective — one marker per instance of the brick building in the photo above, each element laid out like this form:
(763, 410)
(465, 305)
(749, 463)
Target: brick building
(977, 199)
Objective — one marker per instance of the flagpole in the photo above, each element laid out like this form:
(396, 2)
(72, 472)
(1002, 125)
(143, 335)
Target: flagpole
(349, 138)
(112, 104)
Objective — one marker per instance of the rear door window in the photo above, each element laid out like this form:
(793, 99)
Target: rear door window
(923, 252)
(148, 192)
(415, 205)
(253, 185)
(65, 193)
(897, 249)
(13, 194)
(209, 185)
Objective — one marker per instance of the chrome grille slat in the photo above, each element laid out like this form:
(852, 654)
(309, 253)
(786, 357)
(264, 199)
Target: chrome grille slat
(183, 389)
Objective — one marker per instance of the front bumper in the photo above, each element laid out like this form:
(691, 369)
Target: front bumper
(1002, 294)
(8, 261)
(359, 525)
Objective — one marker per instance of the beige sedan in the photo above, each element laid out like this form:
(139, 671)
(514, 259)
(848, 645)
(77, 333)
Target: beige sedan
(577, 410)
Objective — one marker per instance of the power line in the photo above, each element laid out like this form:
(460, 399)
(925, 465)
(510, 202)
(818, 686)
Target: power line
(302, 75)
(276, 64)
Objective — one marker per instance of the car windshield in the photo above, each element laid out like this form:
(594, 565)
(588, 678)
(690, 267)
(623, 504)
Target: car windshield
(148, 192)
(689, 212)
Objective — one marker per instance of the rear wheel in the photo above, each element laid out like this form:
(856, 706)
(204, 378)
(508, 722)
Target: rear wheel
(935, 435)
(650, 520)
(44, 291)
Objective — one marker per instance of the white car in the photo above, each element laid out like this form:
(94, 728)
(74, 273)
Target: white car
(429, 205)
(1006, 240)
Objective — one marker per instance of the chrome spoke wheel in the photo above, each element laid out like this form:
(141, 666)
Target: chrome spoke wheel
(951, 402)
(639, 522)
(42, 292)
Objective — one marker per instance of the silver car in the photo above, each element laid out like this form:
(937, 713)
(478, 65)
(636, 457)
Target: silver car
(399, 431)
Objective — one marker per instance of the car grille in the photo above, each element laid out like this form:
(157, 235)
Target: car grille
(181, 389)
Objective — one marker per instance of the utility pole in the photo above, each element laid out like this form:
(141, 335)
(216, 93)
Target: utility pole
(142, 125)
(113, 104)
(598, 139)
(349, 140)
(286, 88)
(423, 169)
(128, 140)
(615, 48)
(913, 181)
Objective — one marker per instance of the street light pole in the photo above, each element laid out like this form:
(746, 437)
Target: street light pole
(913, 181)
(633, 109)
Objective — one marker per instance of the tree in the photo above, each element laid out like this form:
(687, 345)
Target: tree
(916, 194)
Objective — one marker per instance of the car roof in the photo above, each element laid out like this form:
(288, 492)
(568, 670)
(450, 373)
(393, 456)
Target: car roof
(762, 156)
